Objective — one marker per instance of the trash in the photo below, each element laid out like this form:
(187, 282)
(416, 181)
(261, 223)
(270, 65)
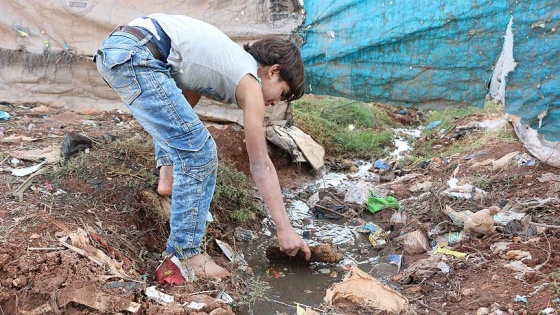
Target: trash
(376, 203)
(360, 288)
(4, 115)
(415, 242)
(369, 227)
(359, 193)
(445, 251)
(398, 218)
(305, 311)
(518, 255)
(466, 191)
(172, 271)
(443, 267)
(517, 265)
(548, 311)
(504, 160)
(377, 239)
(273, 273)
(380, 164)
(521, 298)
(433, 124)
(233, 256)
(18, 193)
(157, 296)
(73, 143)
(457, 217)
(196, 305)
(28, 170)
(481, 222)
(474, 155)
(450, 238)
(420, 270)
(319, 253)
(92, 297)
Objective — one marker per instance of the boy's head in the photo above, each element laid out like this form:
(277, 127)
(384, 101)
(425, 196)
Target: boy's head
(274, 50)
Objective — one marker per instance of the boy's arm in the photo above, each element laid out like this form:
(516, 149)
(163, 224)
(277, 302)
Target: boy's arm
(192, 97)
(250, 99)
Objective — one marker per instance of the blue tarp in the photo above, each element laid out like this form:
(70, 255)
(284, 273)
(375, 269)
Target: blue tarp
(432, 54)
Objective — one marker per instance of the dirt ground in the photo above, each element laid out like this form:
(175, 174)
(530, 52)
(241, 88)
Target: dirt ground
(48, 267)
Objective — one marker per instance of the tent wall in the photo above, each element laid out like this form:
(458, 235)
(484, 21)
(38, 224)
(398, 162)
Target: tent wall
(436, 53)
(46, 46)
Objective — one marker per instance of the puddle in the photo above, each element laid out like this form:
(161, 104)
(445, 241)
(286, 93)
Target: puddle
(290, 283)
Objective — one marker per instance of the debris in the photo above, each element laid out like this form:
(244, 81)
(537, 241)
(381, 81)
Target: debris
(18, 193)
(80, 245)
(159, 297)
(360, 288)
(420, 270)
(305, 311)
(4, 115)
(320, 253)
(359, 193)
(450, 238)
(51, 154)
(466, 191)
(28, 170)
(445, 251)
(481, 222)
(415, 242)
(376, 203)
(457, 217)
(433, 124)
(380, 164)
(230, 253)
(172, 271)
(517, 265)
(92, 297)
(73, 143)
(521, 298)
(443, 267)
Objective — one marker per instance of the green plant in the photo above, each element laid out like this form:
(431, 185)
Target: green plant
(257, 290)
(232, 195)
(345, 127)
(554, 279)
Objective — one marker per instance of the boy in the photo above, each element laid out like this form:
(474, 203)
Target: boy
(160, 66)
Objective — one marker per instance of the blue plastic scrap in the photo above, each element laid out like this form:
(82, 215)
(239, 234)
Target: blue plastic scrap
(436, 54)
(4, 115)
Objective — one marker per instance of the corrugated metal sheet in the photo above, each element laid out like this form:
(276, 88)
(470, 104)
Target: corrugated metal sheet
(435, 53)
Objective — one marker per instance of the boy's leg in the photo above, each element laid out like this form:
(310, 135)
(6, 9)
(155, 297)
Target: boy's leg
(165, 166)
(146, 87)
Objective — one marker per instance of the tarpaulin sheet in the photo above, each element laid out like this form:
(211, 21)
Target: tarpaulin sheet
(427, 53)
(46, 46)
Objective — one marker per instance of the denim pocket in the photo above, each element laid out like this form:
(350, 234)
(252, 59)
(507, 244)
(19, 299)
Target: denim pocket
(197, 151)
(119, 73)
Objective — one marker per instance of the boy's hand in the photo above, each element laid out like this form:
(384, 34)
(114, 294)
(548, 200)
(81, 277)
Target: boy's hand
(290, 243)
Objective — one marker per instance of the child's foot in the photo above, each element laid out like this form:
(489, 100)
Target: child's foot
(205, 267)
(165, 183)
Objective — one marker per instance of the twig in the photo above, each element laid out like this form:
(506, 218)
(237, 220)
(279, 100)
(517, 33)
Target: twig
(545, 225)
(548, 256)
(332, 211)
(45, 248)
(289, 305)
(203, 292)
(4, 160)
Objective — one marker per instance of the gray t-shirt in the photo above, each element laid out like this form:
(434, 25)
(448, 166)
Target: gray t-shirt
(202, 58)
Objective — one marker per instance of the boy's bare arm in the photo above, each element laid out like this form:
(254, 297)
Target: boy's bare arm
(250, 99)
(192, 97)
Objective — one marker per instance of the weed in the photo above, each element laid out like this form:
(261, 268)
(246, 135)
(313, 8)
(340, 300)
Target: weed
(554, 279)
(232, 196)
(257, 290)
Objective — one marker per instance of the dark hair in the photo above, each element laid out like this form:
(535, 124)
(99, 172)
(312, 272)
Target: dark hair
(273, 50)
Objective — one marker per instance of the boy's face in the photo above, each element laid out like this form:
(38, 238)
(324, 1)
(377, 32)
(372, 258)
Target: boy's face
(273, 87)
